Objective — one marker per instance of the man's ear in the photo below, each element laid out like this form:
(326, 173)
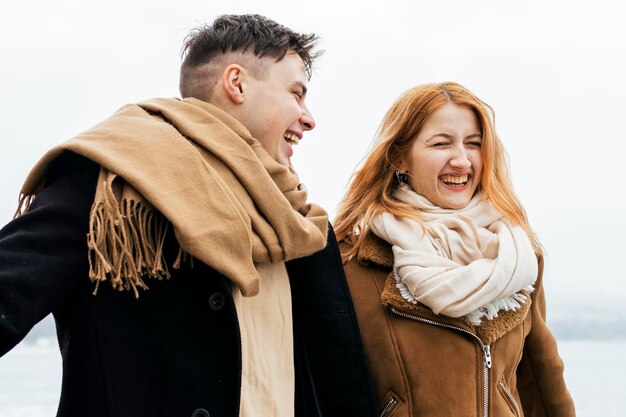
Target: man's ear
(232, 82)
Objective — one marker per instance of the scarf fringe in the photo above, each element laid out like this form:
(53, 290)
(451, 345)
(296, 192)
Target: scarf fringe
(125, 242)
(401, 286)
(182, 257)
(489, 311)
(23, 204)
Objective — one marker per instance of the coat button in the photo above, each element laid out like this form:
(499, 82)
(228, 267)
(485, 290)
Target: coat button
(200, 412)
(217, 301)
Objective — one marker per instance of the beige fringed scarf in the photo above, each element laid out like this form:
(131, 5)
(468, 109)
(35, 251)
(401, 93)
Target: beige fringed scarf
(229, 202)
(467, 263)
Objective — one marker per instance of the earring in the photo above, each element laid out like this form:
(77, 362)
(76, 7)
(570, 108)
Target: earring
(402, 177)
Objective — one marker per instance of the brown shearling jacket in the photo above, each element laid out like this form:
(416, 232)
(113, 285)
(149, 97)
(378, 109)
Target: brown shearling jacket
(428, 365)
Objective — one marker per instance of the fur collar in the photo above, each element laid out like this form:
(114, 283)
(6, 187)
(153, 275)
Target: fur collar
(376, 251)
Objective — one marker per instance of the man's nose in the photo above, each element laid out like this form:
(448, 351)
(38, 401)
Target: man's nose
(307, 119)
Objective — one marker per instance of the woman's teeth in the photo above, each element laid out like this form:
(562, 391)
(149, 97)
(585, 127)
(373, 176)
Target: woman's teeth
(454, 180)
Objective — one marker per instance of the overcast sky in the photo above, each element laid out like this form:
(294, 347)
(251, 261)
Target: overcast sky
(552, 70)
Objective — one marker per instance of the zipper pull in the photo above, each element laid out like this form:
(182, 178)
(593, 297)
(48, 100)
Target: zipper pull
(487, 352)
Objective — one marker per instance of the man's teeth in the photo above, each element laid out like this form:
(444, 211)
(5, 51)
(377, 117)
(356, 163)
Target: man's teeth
(454, 180)
(291, 138)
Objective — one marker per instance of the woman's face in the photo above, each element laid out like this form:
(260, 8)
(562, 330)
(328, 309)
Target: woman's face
(444, 162)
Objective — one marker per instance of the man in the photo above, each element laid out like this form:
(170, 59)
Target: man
(203, 269)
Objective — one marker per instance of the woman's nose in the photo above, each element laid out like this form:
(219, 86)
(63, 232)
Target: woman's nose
(460, 159)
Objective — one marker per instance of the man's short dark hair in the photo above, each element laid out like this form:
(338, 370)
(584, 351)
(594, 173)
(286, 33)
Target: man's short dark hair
(249, 35)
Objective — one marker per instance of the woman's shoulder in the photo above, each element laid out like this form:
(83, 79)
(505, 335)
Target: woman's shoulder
(372, 250)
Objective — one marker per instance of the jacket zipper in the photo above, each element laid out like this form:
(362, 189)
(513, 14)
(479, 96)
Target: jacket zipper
(486, 352)
(388, 407)
(508, 394)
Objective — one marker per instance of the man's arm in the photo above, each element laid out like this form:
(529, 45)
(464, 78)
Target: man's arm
(43, 253)
(334, 379)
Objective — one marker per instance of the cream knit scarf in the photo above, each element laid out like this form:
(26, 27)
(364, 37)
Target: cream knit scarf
(188, 164)
(467, 263)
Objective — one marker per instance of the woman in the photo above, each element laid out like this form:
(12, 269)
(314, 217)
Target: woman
(444, 269)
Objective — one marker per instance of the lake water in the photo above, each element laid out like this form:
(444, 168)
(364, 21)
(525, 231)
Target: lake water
(595, 373)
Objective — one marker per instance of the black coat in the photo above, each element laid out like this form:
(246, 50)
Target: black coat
(175, 351)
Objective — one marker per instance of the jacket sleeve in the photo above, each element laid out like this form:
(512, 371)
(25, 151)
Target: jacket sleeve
(43, 253)
(541, 384)
(331, 368)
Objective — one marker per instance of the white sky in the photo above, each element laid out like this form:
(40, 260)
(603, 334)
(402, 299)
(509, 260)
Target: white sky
(552, 70)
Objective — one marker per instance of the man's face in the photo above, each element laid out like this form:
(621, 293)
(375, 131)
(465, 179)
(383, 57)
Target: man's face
(275, 112)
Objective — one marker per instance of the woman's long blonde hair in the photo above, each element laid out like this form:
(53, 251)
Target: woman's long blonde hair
(371, 187)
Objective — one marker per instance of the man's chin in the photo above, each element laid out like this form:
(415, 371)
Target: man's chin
(283, 160)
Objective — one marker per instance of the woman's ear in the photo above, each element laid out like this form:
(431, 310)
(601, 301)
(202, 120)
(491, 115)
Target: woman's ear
(400, 165)
(232, 82)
